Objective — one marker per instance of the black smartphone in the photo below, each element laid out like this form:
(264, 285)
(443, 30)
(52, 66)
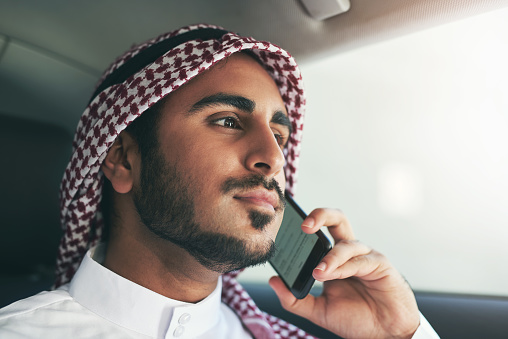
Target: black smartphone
(297, 253)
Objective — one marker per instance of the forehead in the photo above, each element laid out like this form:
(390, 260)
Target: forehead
(239, 74)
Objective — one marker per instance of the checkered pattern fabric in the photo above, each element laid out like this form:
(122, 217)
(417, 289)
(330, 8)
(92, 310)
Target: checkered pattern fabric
(119, 100)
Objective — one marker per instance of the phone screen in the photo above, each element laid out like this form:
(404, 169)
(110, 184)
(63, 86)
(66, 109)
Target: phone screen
(297, 253)
(294, 246)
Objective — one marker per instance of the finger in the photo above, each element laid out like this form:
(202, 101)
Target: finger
(334, 219)
(371, 266)
(302, 307)
(341, 253)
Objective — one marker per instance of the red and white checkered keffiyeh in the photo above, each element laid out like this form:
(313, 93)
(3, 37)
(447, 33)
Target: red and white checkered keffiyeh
(122, 96)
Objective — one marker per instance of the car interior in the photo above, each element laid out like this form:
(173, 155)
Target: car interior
(405, 132)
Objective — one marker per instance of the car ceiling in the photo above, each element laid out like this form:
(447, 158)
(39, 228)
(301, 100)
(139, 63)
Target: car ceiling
(52, 52)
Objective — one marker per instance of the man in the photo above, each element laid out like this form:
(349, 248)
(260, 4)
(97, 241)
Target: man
(191, 137)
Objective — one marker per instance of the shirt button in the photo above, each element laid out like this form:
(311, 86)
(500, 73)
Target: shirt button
(178, 331)
(184, 319)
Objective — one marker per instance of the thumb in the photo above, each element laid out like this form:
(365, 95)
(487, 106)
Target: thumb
(301, 307)
(283, 293)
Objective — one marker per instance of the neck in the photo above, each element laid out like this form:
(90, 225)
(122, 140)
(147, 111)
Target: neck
(159, 265)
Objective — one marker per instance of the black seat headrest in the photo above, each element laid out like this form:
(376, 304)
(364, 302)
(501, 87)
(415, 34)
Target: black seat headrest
(34, 156)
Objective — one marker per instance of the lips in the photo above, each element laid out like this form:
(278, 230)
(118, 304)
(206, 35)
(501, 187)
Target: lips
(260, 197)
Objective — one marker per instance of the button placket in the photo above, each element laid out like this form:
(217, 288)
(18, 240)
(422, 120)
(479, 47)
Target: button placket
(180, 329)
(184, 319)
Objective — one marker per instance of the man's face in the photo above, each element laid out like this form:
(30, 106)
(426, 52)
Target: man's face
(214, 186)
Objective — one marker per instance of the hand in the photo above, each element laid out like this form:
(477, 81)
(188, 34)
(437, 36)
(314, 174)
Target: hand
(363, 295)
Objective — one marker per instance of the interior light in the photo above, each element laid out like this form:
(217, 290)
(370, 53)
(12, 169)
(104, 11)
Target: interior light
(324, 9)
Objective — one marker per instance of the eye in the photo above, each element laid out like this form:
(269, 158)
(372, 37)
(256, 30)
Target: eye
(228, 122)
(281, 139)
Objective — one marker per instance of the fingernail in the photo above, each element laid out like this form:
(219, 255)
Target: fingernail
(309, 222)
(321, 266)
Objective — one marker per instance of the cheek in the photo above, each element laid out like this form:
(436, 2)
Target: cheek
(207, 169)
(213, 161)
(200, 157)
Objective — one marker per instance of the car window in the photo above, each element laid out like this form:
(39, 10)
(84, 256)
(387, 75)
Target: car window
(408, 137)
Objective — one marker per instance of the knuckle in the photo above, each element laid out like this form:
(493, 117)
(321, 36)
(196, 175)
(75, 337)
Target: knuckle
(379, 256)
(339, 275)
(333, 256)
(348, 242)
(360, 260)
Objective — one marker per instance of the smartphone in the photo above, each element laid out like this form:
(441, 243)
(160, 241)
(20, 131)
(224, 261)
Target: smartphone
(297, 253)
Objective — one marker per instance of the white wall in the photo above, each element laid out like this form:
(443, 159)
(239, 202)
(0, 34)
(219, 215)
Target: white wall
(410, 139)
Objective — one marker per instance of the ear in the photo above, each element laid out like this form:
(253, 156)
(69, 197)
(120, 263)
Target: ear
(119, 163)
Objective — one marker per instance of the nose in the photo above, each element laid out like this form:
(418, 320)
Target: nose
(264, 154)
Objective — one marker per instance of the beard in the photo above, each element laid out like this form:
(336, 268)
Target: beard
(165, 204)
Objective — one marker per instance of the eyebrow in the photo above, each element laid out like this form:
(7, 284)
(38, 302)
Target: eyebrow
(220, 99)
(241, 103)
(282, 119)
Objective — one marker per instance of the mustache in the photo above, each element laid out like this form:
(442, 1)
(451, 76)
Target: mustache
(253, 181)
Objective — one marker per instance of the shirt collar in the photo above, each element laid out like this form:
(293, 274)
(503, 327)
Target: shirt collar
(137, 308)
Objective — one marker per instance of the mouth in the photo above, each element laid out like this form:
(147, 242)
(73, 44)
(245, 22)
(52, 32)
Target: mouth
(260, 197)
